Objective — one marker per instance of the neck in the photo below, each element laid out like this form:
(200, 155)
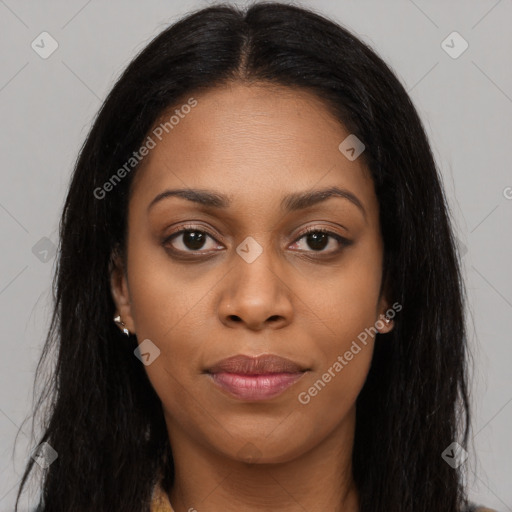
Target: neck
(319, 478)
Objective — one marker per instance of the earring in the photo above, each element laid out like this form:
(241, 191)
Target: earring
(386, 320)
(120, 323)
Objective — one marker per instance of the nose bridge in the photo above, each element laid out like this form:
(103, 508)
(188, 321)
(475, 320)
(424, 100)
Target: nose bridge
(256, 268)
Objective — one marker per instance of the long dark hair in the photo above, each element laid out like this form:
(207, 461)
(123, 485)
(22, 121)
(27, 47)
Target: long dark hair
(103, 417)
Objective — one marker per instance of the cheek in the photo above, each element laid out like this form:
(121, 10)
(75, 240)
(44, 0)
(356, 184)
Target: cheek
(165, 297)
(331, 393)
(346, 311)
(344, 352)
(345, 301)
(167, 308)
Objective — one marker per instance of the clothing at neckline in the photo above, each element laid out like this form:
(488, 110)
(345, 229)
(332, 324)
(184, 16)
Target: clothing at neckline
(160, 502)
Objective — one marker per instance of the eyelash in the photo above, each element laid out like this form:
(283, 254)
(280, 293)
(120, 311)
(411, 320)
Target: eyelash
(182, 229)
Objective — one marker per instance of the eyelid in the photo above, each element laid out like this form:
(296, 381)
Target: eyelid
(320, 229)
(190, 227)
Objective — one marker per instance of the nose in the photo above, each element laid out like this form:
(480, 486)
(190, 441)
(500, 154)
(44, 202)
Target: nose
(254, 296)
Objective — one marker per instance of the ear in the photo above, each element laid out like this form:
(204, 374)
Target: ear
(384, 308)
(120, 291)
(382, 326)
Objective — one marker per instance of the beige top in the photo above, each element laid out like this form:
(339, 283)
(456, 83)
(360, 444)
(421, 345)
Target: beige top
(161, 502)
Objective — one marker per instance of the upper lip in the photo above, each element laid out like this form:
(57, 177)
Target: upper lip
(260, 365)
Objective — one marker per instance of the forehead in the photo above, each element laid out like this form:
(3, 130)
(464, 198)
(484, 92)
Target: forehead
(252, 142)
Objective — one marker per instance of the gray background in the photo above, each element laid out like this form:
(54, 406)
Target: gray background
(46, 108)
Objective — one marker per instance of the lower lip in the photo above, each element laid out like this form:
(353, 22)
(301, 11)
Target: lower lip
(255, 387)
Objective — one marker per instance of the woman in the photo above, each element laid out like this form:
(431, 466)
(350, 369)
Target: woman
(258, 299)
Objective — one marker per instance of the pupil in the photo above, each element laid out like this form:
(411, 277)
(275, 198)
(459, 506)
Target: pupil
(194, 240)
(315, 242)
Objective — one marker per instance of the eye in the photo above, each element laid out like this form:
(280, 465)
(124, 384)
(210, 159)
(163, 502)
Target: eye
(318, 239)
(190, 239)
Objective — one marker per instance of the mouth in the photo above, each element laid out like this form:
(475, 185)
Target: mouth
(255, 378)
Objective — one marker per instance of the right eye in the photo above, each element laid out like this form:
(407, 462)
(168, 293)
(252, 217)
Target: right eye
(189, 240)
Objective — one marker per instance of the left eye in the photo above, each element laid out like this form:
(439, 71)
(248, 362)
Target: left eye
(193, 240)
(318, 239)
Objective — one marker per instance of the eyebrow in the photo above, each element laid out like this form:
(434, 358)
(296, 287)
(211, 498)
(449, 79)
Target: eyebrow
(291, 202)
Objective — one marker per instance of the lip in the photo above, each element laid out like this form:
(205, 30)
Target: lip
(255, 378)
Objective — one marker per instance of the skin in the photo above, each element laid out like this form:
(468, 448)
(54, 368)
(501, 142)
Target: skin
(256, 144)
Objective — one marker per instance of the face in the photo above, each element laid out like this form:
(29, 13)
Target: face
(259, 271)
